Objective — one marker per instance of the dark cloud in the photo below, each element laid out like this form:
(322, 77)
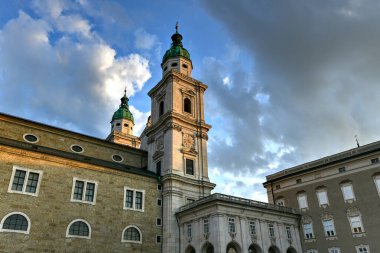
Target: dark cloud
(319, 63)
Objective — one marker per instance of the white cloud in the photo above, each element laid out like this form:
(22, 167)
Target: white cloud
(71, 81)
(144, 40)
(227, 81)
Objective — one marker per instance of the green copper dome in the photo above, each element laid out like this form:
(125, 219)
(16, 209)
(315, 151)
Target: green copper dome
(177, 48)
(123, 111)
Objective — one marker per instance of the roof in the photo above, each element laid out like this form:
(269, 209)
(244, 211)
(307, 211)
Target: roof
(176, 49)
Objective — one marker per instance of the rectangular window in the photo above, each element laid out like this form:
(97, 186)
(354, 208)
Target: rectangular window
(280, 202)
(158, 168)
(158, 222)
(308, 230)
(134, 199)
(288, 232)
(159, 187)
(189, 232)
(206, 227)
(159, 202)
(298, 181)
(271, 229)
(334, 250)
(322, 197)
(25, 181)
(377, 183)
(329, 227)
(374, 160)
(252, 227)
(342, 169)
(362, 249)
(356, 224)
(231, 225)
(158, 239)
(348, 192)
(84, 191)
(302, 201)
(189, 167)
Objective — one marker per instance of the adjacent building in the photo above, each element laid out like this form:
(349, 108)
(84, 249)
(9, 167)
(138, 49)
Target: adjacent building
(338, 198)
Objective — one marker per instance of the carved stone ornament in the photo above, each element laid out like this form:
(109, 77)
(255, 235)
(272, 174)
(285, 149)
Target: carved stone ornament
(150, 139)
(254, 238)
(233, 235)
(352, 211)
(202, 135)
(189, 239)
(160, 95)
(173, 126)
(206, 236)
(273, 240)
(306, 219)
(326, 216)
(160, 143)
(157, 155)
(188, 141)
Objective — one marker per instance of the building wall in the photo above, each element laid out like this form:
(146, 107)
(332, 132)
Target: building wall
(52, 210)
(358, 171)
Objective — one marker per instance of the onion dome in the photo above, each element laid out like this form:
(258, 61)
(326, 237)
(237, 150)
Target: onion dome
(123, 111)
(176, 49)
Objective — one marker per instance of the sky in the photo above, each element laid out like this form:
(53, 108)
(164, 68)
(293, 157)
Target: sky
(289, 81)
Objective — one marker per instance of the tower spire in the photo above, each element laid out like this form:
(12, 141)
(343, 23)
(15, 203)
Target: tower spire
(176, 27)
(124, 99)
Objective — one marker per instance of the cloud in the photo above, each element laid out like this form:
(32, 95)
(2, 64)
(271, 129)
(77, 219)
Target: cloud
(59, 72)
(314, 84)
(144, 40)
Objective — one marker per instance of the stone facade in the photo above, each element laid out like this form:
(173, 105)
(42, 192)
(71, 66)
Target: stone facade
(338, 197)
(53, 209)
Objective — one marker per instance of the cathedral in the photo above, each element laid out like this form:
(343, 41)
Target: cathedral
(62, 191)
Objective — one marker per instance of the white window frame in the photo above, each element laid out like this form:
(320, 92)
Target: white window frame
(288, 231)
(301, 196)
(271, 231)
(231, 224)
(311, 230)
(39, 172)
(327, 227)
(376, 179)
(252, 227)
(78, 236)
(86, 181)
(133, 208)
(311, 251)
(15, 231)
(351, 224)
(323, 199)
(206, 224)
(334, 250)
(130, 241)
(345, 197)
(362, 246)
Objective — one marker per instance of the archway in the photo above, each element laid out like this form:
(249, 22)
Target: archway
(254, 248)
(233, 247)
(273, 249)
(190, 249)
(291, 250)
(208, 248)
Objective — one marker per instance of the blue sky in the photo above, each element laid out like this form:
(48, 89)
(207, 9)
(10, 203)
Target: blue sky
(288, 81)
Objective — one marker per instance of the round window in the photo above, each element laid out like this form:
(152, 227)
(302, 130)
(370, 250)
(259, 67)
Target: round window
(184, 66)
(77, 148)
(117, 158)
(30, 138)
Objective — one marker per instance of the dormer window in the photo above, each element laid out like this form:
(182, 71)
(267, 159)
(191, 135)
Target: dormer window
(161, 108)
(187, 105)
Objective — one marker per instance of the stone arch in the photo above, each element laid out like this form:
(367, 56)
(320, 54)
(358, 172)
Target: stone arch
(273, 249)
(233, 247)
(254, 248)
(291, 250)
(208, 248)
(190, 249)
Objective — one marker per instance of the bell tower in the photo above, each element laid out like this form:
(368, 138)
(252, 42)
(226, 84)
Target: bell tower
(176, 138)
(122, 124)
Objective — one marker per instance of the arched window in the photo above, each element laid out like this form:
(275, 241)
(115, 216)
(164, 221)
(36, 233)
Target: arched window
(161, 108)
(187, 105)
(16, 222)
(131, 234)
(79, 228)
